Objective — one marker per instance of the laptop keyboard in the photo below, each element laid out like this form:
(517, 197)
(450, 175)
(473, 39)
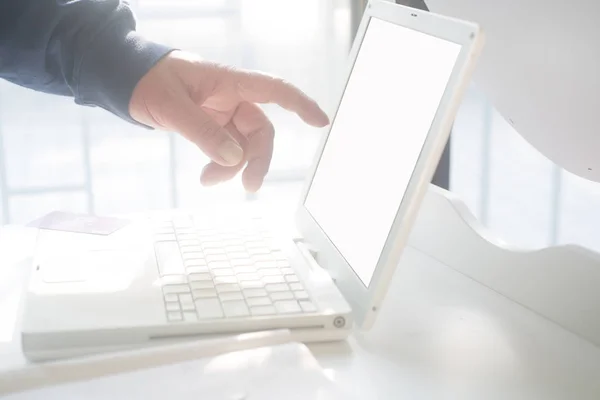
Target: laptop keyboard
(225, 269)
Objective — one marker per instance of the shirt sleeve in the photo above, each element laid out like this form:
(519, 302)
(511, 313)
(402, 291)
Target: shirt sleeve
(86, 49)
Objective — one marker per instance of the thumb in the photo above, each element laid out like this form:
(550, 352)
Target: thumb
(197, 126)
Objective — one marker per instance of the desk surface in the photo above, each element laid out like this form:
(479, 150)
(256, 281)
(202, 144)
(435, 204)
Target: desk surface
(440, 335)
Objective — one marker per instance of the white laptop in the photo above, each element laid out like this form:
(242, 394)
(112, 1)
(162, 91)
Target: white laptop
(159, 280)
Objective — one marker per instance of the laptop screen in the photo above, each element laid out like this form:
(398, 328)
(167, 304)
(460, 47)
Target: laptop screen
(388, 106)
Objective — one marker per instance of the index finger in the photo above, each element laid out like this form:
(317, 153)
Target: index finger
(256, 87)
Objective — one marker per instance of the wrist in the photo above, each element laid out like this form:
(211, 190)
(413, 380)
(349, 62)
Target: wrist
(113, 65)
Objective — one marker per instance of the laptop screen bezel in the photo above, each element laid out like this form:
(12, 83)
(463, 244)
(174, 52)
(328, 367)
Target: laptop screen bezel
(365, 301)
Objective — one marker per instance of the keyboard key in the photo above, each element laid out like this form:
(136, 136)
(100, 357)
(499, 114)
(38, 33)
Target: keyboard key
(307, 306)
(190, 316)
(216, 257)
(223, 272)
(262, 257)
(207, 232)
(287, 271)
(186, 299)
(211, 244)
(168, 258)
(166, 230)
(252, 236)
(256, 244)
(187, 236)
(171, 297)
(195, 285)
(259, 250)
(228, 287)
(196, 255)
(282, 296)
(249, 293)
(251, 285)
(219, 264)
(181, 230)
(270, 272)
(296, 286)
(291, 278)
(204, 293)
(273, 279)
(209, 308)
(265, 264)
(280, 255)
(243, 264)
(165, 237)
(259, 301)
(247, 277)
(174, 316)
(231, 296)
(225, 279)
(227, 236)
(214, 251)
(245, 270)
(236, 243)
(196, 269)
(188, 307)
(239, 248)
(235, 308)
(240, 255)
(190, 249)
(195, 263)
(173, 280)
(277, 287)
(287, 306)
(301, 295)
(177, 289)
(189, 242)
(200, 277)
(263, 310)
(172, 306)
(283, 264)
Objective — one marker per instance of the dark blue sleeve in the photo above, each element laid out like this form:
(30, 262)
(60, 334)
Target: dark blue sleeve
(87, 49)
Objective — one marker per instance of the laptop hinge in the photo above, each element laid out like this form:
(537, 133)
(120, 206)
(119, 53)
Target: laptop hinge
(309, 253)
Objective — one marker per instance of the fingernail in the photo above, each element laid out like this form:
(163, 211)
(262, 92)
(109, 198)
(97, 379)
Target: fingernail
(324, 119)
(231, 152)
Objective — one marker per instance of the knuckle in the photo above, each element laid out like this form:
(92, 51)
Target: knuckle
(269, 131)
(281, 83)
(272, 86)
(210, 131)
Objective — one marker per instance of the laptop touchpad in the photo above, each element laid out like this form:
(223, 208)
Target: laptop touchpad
(109, 266)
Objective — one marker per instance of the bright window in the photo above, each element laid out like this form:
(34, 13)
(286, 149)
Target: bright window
(56, 155)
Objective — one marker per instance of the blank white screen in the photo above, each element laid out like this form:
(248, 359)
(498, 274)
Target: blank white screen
(389, 103)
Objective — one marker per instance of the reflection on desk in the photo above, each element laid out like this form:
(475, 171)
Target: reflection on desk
(441, 335)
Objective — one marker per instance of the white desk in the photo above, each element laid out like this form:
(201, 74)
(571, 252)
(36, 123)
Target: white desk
(440, 335)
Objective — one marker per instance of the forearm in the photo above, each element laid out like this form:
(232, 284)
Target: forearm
(87, 49)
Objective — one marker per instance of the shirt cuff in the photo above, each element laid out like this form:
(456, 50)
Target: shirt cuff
(111, 67)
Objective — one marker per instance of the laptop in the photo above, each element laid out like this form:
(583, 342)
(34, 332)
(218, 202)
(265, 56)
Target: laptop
(194, 274)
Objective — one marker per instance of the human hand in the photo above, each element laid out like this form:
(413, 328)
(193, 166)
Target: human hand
(216, 107)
